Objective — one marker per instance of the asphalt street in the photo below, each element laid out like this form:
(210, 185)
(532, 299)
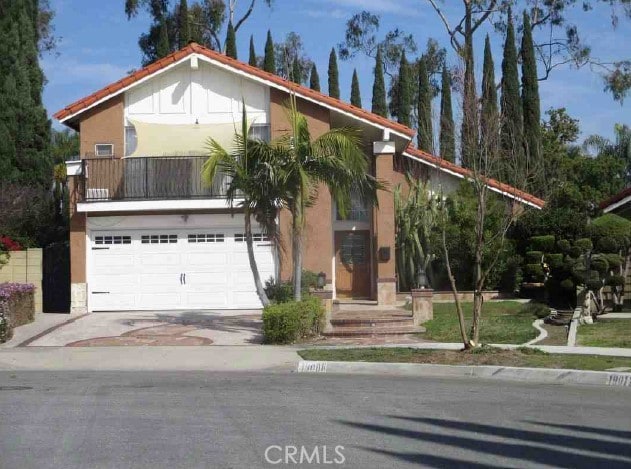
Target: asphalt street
(80, 419)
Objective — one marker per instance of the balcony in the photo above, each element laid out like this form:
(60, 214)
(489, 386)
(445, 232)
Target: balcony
(147, 178)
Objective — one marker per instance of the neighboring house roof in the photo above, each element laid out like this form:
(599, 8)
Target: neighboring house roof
(273, 80)
(615, 201)
(464, 173)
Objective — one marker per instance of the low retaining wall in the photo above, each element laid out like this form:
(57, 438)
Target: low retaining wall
(25, 267)
(17, 307)
(467, 296)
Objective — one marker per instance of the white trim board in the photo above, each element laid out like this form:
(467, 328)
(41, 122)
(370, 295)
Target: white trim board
(153, 205)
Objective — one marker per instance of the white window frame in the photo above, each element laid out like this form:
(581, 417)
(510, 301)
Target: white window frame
(96, 151)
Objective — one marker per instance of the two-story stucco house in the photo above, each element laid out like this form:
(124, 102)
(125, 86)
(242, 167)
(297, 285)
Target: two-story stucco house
(147, 234)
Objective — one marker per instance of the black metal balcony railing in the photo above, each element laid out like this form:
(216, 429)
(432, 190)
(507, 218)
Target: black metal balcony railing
(149, 178)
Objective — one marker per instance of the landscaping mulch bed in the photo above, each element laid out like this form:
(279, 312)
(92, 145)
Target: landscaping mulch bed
(522, 357)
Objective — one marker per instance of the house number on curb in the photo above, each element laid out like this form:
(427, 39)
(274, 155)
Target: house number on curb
(312, 367)
(619, 380)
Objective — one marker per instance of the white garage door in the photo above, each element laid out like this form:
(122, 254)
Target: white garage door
(161, 269)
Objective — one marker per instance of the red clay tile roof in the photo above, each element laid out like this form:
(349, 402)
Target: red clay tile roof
(615, 198)
(196, 48)
(500, 186)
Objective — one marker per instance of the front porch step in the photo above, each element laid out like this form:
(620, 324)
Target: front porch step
(373, 331)
(372, 322)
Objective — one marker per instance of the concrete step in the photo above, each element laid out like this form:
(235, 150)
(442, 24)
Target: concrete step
(372, 322)
(373, 331)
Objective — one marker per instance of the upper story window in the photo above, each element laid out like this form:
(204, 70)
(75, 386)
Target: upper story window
(131, 141)
(358, 211)
(260, 132)
(103, 150)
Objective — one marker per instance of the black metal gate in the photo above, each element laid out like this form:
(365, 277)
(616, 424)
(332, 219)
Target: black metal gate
(56, 278)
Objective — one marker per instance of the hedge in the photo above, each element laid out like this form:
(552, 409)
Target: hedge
(17, 307)
(542, 243)
(285, 323)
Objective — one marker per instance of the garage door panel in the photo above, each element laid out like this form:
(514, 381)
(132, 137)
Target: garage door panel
(195, 280)
(208, 260)
(169, 300)
(160, 259)
(112, 302)
(112, 260)
(206, 300)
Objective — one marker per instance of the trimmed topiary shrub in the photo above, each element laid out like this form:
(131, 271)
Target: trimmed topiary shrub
(574, 252)
(285, 323)
(614, 260)
(564, 246)
(584, 244)
(567, 284)
(614, 226)
(539, 310)
(607, 244)
(534, 257)
(542, 243)
(599, 264)
(534, 272)
(615, 281)
(555, 261)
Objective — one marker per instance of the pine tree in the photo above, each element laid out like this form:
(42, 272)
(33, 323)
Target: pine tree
(183, 23)
(334, 82)
(314, 79)
(163, 48)
(489, 116)
(269, 61)
(404, 98)
(511, 131)
(447, 137)
(530, 98)
(379, 104)
(469, 127)
(356, 98)
(231, 42)
(425, 133)
(252, 59)
(296, 72)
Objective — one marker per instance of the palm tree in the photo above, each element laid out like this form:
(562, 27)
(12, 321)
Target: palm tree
(251, 169)
(334, 159)
(620, 148)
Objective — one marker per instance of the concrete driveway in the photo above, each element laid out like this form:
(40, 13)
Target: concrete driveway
(156, 329)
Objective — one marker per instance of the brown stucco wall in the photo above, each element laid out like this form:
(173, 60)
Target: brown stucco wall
(77, 234)
(103, 124)
(318, 240)
(384, 225)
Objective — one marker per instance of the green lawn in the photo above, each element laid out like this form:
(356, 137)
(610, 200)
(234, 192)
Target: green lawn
(501, 323)
(485, 356)
(606, 333)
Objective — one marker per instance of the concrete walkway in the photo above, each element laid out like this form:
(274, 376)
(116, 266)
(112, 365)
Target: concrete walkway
(42, 323)
(615, 316)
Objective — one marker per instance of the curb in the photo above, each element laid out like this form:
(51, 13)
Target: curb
(540, 375)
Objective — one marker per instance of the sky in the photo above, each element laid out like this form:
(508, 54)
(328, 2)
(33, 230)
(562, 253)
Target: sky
(98, 45)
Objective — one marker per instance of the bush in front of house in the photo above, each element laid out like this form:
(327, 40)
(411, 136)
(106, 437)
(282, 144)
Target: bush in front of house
(539, 310)
(16, 307)
(282, 292)
(285, 323)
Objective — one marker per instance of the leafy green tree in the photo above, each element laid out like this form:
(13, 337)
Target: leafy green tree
(379, 104)
(530, 100)
(356, 99)
(619, 148)
(334, 81)
(489, 114)
(184, 30)
(252, 59)
(334, 159)
(269, 61)
(164, 47)
(65, 145)
(314, 78)
(511, 132)
(296, 72)
(447, 137)
(404, 93)
(425, 132)
(250, 168)
(231, 42)
(290, 53)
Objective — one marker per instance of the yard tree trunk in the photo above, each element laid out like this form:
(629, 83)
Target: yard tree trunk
(297, 249)
(255, 270)
(477, 266)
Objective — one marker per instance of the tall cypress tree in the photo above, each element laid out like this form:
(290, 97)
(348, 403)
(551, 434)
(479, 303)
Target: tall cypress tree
(379, 104)
(447, 137)
(356, 99)
(231, 42)
(24, 125)
(252, 59)
(296, 72)
(511, 131)
(334, 81)
(530, 97)
(164, 47)
(469, 128)
(404, 98)
(314, 79)
(489, 116)
(183, 23)
(425, 133)
(269, 61)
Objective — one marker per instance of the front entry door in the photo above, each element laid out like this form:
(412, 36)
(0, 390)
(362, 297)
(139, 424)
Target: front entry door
(352, 264)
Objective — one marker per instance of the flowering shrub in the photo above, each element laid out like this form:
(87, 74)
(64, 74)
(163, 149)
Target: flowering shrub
(16, 307)
(6, 246)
